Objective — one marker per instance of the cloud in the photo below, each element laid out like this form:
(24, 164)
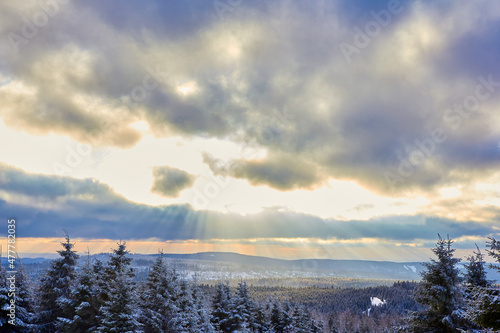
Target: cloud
(89, 74)
(90, 209)
(169, 182)
(278, 171)
(17, 182)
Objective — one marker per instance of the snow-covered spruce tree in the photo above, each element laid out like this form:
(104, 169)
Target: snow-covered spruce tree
(280, 320)
(494, 251)
(55, 288)
(85, 304)
(475, 284)
(485, 305)
(188, 318)
(287, 318)
(203, 314)
(246, 308)
(316, 326)
(118, 313)
(25, 312)
(4, 301)
(303, 322)
(261, 323)
(301, 319)
(441, 294)
(475, 281)
(223, 312)
(100, 283)
(475, 275)
(158, 301)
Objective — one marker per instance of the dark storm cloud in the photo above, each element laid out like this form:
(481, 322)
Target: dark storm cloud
(90, 209)
(169, 182)
(101, 66)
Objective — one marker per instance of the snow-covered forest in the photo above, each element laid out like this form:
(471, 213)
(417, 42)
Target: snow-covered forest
(105, 296)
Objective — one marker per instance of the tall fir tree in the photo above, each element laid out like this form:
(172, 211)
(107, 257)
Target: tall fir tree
(246, 308)
(475, 274)
(287, 318)
(55, 289)
(222, 315)
(301, 319)
(316, 326)
(22, 314)
(203, 313)
(494, 252)
(485, 300)
(100, 282)
(440, 293)
(188, 317)
(118, 313)
(85, 303)
(261, 324)
(279, 318)
(25, 312)
(4, 301)
(159, 299)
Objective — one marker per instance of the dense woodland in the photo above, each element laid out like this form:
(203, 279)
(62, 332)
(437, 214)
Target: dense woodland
(106, 296)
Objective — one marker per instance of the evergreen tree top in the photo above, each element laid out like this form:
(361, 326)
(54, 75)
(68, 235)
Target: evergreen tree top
(67, 253)
(494, 251)
(475, 275)
(119, 260)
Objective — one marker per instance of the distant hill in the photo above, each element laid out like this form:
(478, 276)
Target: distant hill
(28, 261)
(340, 268)
(229, 265)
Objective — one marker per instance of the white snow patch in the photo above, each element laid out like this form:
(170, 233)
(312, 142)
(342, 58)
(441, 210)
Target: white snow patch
(413, 268)
(377, 301)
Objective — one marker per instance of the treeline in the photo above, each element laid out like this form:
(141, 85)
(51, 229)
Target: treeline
(346, 310)
(105, 297)
(322, 282)
(398, 297)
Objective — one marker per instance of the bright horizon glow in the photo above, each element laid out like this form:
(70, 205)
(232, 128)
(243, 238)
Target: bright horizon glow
(33, 247)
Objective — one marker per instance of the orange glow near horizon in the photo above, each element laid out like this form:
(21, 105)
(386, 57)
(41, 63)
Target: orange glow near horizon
(30, 247)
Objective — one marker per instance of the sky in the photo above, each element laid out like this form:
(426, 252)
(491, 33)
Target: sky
(290, 129)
